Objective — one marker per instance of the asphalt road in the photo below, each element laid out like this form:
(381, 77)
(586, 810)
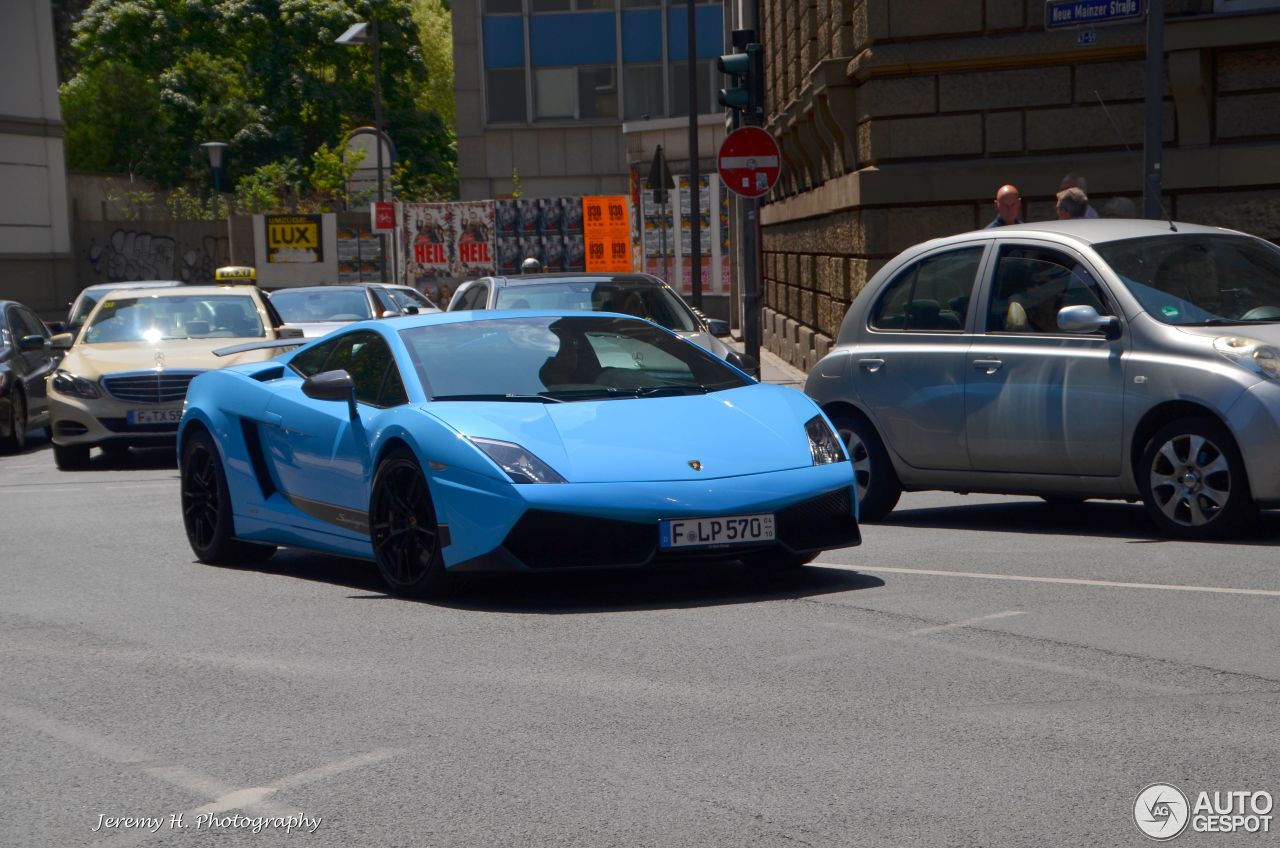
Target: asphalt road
(982, 671)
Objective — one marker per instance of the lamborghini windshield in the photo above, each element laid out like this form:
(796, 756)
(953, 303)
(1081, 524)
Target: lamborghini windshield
(1199, 279)
(553, 359)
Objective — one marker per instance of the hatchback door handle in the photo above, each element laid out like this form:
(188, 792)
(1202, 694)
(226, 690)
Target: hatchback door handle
(991, 366)
(872, 365)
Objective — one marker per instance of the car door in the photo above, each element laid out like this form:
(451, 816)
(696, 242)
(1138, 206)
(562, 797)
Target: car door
(909, 364)
(319, 451)
(36, 364)
(1038, 399)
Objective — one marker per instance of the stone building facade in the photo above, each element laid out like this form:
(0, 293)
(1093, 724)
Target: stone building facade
(898, 121)
(35, 230)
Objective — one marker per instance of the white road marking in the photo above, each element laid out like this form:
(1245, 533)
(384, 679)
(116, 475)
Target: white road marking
(925, 631)
(1070, 581)
(255, 799)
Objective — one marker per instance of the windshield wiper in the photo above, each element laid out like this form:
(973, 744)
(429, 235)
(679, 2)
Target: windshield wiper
(1217, 322)
(538, 398)
(673, 389)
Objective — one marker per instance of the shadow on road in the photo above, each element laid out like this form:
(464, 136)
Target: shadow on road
(615, 590)
(131, 459)
(1106, 519)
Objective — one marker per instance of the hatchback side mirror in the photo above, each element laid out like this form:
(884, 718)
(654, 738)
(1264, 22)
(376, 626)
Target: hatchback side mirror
(1085, 319)
(717, 327)
(32, 342)
(62, 341)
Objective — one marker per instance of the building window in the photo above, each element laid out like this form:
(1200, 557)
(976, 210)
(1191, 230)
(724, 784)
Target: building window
(553, 91)
(503, 7)
(548, 5)
(505, 90)
(680, 88)
(567, 5)
(643, 90)
(597, 92)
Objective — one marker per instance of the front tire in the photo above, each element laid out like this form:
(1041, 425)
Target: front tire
(404, 528)
(877, 482)
(16, 441)
(1193, 481)
(207, 510)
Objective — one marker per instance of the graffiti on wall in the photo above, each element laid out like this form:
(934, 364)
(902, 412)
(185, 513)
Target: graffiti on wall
(128, 255)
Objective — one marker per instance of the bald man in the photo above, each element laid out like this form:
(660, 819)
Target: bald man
(1008, 205)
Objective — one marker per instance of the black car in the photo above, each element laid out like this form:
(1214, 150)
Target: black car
(26, 358)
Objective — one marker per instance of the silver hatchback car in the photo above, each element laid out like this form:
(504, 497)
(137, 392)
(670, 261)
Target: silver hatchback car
(1098, 358)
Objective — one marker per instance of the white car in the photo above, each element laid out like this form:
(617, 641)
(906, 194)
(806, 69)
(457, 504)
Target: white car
(124, 378)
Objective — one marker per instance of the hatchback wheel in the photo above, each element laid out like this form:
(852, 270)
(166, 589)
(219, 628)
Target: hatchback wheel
(877, 482)
(206, 508)
(1193, 481)
(17, 438)
(406, 535)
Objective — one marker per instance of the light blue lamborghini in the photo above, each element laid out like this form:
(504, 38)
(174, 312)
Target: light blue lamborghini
(508, 440)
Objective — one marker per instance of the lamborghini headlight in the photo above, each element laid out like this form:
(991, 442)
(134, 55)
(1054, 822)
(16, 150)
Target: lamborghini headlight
(823, 443)
(520, 465)
(69, 384)
(1258, 356)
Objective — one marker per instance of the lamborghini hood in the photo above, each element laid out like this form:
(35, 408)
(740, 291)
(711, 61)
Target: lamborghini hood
(750, 430)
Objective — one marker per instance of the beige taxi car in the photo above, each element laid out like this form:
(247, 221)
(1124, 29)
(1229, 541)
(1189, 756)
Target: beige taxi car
(125, 375)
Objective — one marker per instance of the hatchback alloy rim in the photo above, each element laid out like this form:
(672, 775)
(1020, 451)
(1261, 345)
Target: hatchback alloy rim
(861, 460)
(404, 527)
(200, 498)
(1190, 480)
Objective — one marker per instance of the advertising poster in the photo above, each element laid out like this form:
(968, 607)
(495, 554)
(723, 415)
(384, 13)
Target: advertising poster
(657, 237)
(548, 229)
(359, 256)
(475, 246)
(607, 231)
(446, 243)
(293, 238)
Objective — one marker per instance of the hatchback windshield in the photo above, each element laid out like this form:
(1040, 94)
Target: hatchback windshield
(302, 306)
(135, 319)
(405, 297)
(550, 359)
(1199, 279)
(657, 303)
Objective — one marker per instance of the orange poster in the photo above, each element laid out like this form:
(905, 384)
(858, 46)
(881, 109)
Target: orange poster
(607, 227)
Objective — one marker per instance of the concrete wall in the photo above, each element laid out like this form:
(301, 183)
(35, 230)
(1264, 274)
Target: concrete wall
(898, 121)
(35, 237)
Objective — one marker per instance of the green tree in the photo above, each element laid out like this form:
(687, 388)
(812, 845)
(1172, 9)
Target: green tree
(269, 188)
(435, 33)
(331, 172)
(156, 78)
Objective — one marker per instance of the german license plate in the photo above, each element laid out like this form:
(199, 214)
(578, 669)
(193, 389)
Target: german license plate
(725, 530)
(171, 415)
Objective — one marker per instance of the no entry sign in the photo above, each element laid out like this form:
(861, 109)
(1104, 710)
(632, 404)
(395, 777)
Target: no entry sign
(749, 162)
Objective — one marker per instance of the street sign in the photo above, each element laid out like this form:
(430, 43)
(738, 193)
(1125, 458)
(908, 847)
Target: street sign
(749, 162)
(384, 216)
(660, 180)
(1074, 13)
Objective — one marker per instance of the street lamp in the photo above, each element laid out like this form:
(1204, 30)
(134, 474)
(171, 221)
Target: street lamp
(215, 150)
(367, 33)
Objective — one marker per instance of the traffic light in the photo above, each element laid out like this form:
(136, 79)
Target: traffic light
(746, 98)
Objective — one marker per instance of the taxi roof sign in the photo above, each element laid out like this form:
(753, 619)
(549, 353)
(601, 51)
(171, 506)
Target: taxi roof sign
(235, 272)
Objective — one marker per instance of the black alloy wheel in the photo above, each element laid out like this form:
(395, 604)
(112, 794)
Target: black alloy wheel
(1193, 481)
(877, 483)
(405, 531)
(17, 438)
(206, 508)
